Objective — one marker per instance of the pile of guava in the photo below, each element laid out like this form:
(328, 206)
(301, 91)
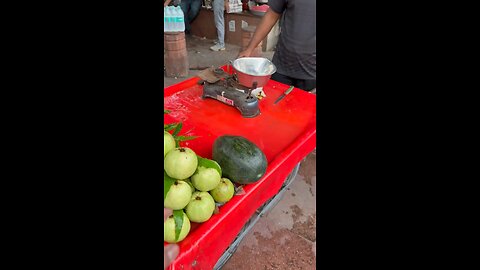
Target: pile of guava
(193, 186)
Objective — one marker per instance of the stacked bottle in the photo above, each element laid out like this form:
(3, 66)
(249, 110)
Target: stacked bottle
(173, 19)
(176, 56)
(180, 20)
(166, 19)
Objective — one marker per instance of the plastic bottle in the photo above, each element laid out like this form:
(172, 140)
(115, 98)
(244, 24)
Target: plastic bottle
(164, 19)
(174, 19)
(168, 19)
(180, 20)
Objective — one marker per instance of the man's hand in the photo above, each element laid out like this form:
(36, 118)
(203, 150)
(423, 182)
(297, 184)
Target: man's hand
(245, 53)
(170, 251)
(266, 24)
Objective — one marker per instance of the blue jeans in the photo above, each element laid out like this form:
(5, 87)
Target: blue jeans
(190, 9)
(218, 15)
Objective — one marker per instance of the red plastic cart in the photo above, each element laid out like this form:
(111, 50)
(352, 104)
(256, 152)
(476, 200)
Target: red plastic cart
(286, 132)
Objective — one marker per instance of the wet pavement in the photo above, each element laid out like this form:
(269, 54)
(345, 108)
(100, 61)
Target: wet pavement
(285, 237)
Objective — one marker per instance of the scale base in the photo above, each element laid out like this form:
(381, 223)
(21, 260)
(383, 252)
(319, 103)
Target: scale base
(246, 104)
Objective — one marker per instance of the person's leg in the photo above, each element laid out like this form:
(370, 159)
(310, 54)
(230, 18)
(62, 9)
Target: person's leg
(282, 78)
(306, 85)
(194, 10)
(218, 10)
(185, 5)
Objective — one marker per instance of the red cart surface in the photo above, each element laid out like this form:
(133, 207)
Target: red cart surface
(286, 132)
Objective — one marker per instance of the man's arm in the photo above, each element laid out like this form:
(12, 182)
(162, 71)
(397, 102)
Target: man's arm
(166, 3)
(268, 21)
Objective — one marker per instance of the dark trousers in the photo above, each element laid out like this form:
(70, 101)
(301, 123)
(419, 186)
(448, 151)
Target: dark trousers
(306, 85)
(190, 9)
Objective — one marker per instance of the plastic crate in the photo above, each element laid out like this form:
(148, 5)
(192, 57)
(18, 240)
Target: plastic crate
(286, 132)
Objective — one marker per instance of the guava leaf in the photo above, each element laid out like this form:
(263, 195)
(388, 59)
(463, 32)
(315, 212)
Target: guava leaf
(185, 138)
(167, 183)
(168, 127)
(208, 163)
(177, 129)
(178, 217)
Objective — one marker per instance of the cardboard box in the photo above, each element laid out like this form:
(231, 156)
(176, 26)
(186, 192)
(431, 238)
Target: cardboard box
(233, 6)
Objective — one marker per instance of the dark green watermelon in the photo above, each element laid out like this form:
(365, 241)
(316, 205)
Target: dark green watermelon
(241, 160)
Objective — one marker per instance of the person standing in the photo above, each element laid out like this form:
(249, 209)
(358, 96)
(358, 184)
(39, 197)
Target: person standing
(295, 55)
(218, 15)
(190, 9)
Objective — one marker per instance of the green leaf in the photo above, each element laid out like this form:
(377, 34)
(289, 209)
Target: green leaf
(166, 111)
(185, 138)
(168, 127)
(208, 163)
(178, 217)
(167, 183)
(177, 129)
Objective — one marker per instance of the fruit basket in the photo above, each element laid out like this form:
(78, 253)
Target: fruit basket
(286, 132)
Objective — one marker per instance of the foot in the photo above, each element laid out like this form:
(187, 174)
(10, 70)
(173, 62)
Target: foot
(215, 42)
(217, 48)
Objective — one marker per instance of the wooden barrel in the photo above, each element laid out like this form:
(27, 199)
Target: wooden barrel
(176, 57)
(247, 35)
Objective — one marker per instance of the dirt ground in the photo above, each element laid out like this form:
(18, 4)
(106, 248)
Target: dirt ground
(284, 238)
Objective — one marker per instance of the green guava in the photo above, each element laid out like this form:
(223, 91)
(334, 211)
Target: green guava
(189, 182)
(180, 163)
(224, 191)
(178, 195)
(201, 207)
(169, 229)
(168, 143)
(205, 179)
